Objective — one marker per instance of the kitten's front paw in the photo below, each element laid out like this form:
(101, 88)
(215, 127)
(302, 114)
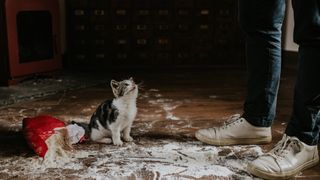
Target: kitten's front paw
(128, 139)
(118, 143)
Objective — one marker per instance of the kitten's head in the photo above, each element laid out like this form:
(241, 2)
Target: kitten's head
(124, 88)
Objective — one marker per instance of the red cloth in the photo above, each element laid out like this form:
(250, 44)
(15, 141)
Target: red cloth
(38, 129)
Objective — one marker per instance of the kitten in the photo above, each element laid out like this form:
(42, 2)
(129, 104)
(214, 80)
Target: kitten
(115, 116)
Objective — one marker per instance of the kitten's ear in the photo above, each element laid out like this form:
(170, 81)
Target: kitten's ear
(131, 79)
(114, 85)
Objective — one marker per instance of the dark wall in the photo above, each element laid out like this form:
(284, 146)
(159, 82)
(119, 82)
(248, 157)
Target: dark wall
(4, 73)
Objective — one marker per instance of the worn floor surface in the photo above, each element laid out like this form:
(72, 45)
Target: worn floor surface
(172, 106)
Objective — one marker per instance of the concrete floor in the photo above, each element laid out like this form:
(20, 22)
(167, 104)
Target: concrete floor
(172, 106)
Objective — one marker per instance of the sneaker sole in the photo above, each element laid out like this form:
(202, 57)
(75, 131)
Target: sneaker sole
(284, 175)
(233, 141)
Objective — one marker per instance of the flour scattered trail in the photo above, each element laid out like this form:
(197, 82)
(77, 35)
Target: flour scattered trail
(167, 105)
(146, 158)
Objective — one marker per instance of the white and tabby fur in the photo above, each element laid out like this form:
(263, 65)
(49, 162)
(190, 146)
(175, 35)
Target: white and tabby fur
(115, 116)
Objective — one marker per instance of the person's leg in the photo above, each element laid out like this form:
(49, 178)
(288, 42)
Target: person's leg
(261, 20)
(298, 148)
(305, 121)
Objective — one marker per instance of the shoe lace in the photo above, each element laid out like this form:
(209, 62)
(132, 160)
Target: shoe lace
(232, 120)
(287, 144)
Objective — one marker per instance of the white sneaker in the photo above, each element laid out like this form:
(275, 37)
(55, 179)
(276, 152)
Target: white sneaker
(235, 131)
(285, 160)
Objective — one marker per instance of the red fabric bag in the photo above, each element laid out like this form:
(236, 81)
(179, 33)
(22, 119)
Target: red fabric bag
(38, 129)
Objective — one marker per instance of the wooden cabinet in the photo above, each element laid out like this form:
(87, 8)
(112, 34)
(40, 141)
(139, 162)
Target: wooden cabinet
(157, 32)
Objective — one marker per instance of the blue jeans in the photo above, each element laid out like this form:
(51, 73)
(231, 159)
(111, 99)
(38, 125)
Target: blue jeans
(261, 20)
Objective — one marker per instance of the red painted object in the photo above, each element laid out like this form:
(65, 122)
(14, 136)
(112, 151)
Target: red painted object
(22, 25)
(38, 129)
